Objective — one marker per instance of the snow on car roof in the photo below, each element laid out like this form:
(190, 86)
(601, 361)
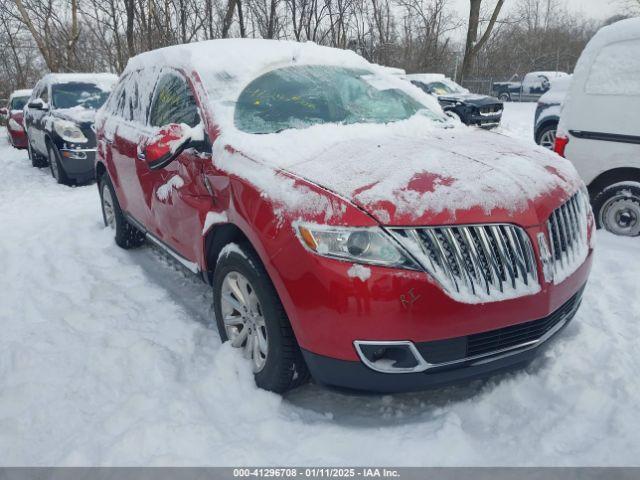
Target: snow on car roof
(426, 77)
(241, 59)
(25, 92)
(628, 29)
(104, 81)
(226, 66)
(548, 74)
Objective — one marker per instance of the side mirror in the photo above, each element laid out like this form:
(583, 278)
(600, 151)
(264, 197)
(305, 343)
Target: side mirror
(4, 112)
(168, 143)
(38, 104)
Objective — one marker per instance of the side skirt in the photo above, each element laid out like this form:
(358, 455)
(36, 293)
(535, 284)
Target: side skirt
(189, 265)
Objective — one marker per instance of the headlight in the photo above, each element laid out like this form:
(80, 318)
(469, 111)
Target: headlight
(361, 245)
(69, 131)
(15, 126)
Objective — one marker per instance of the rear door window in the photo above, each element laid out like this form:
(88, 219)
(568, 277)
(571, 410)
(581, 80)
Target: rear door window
(616, 70)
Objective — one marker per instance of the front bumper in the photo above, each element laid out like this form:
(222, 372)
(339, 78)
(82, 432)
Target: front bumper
(449, 361)
(485, 121)
(78, 163)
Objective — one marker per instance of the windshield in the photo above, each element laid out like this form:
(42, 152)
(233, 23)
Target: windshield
(69, 95)
(444, 88)
(18, 103)
(299, 97)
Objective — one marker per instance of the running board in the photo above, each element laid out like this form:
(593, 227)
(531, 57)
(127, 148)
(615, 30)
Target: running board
(189, 265)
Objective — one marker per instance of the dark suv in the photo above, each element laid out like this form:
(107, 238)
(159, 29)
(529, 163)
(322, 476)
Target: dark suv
(59, 122)
(470, 108)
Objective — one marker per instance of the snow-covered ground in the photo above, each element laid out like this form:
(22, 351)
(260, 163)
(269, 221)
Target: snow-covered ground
(110, 357)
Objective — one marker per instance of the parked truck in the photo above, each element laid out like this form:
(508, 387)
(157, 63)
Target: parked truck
(532, 86)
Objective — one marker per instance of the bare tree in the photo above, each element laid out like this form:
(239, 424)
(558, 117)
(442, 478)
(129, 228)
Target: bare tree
(472, 44)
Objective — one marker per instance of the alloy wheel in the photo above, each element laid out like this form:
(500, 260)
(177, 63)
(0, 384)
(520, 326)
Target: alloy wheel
(621, 215)
(53, 164)
(548, 139)
(243, 319)
(107, 208)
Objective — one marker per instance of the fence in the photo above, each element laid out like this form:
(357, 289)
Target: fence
(481, 85)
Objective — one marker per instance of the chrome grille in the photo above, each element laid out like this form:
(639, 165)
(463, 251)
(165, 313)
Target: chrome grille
(477, 262)
(490, 109)
(567, 228)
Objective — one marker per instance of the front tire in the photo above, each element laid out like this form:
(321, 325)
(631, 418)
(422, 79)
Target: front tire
(55, 165)
(126, 235)
(617, 209)
(37, 160)
(250, 315)
(505, 97)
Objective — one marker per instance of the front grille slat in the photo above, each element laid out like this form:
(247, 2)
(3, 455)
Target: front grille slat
(476, 262)
(567, 230)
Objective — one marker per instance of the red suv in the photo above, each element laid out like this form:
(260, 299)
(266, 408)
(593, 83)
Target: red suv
(15, 118)
(348, 228)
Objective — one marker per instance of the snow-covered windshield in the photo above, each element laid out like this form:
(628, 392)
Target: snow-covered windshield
(302, 96)
(74, 94)
(18, 103)
(445, 88)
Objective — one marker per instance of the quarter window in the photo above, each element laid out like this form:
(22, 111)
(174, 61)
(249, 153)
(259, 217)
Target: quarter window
(173, 102)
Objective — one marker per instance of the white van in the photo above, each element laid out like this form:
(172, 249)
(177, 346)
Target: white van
(599, 129)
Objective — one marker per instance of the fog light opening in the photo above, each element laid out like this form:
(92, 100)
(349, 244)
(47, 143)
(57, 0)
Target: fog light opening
(390, 357)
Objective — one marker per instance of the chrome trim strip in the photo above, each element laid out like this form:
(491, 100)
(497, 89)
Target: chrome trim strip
(422, 363)
(193, 267)
(474, 260)
(481, 359)
(189, 265)
(85, 150)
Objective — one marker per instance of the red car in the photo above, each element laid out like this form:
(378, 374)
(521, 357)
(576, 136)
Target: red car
(15, 120)
(348, 229)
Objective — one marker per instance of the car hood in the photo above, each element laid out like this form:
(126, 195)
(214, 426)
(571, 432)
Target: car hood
(79, 115)
(469, 98)
(402, 174)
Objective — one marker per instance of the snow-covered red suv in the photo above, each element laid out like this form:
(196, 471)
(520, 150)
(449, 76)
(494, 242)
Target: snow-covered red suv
(348, 229)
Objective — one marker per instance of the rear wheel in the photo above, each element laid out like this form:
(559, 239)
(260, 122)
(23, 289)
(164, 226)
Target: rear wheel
(505, 97)
(617, 209)
(249, 314)
(57, 170)
(126, 235)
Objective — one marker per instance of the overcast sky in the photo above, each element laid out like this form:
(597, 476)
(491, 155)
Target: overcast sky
(599, 9)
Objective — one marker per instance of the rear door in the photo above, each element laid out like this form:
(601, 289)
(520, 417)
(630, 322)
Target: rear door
(177, 195)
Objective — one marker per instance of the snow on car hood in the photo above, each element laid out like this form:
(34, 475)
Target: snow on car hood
(415, 172)
(77, 114)
(467, 97)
